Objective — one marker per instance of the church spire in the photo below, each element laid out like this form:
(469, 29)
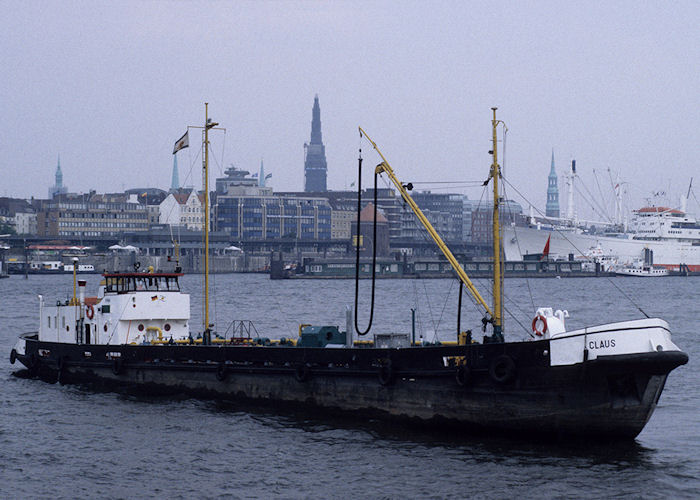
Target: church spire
(175, 182)
(551, 170)
(315, 168)
(59, 174)
(58, 187)
(552, 209)
(316, 137)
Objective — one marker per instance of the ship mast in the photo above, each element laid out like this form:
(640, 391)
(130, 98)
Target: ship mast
(494, 174)
(207, 125)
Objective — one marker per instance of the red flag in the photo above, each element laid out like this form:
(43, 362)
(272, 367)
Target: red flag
(545, 252)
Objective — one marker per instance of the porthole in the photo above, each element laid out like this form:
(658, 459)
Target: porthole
(141, 327)
(167, 327)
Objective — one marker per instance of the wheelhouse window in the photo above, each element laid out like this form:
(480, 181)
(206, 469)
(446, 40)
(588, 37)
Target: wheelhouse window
(141, 282)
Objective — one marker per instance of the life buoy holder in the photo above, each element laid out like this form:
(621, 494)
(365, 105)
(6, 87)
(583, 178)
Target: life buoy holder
(61, 370)
(537, 331)
(89, 311)
(33, 365)
(463, 375)
(386, 373)
(117, 366)
(302, 373)
(502, 369)
(221, 372)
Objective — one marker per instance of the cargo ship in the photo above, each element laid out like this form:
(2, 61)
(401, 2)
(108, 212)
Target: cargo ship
(602, 381)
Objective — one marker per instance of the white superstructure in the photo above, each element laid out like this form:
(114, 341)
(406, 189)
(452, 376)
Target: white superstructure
(130, 308)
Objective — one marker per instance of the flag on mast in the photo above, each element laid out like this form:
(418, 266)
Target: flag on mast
(181, 143)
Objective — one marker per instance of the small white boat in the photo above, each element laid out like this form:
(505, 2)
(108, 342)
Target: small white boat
(82, 268)
(643, 270)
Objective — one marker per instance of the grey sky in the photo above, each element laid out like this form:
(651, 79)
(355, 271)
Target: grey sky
(111, 85)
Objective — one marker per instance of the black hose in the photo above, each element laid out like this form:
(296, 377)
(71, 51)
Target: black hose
(357, 246)
(459, 309)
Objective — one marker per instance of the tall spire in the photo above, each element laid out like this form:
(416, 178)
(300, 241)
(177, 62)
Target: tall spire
(316, 137)
(315, 168)
(261, 178)
(552, 209)
(58, 187)
(59, 174)
(551, 170)
(175, 182)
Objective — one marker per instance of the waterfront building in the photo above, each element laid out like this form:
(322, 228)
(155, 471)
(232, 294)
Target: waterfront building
(342, 217)
(18, 215)
(183, 209)
(58, 187)
(246, 210)
(479, 215)
(239, 182)
(443, 210)
(366, 239)
(90, 215)
(552, 209)
(392, 206)
(315, 167)
(159, 241)
(152, 198)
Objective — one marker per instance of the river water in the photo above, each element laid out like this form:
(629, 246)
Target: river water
(73, 442)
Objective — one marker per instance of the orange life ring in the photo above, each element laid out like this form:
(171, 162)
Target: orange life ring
(89, 311)
(537, 331)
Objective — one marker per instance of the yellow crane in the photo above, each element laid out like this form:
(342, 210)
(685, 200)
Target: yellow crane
(384, 167)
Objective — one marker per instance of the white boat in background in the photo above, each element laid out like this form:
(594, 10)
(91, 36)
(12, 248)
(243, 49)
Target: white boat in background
(641, 269)
(82, 268)
(606, 260)
(665, 237)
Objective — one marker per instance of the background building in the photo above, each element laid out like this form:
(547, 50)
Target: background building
(342, 217)
(315, 168)
(58, 187)
(552, 208)
(366, 240)
(246, 210)
(182, 209)
(18, 216)
(443, 210)
(478, 214)
(89, 215)
(152, 198)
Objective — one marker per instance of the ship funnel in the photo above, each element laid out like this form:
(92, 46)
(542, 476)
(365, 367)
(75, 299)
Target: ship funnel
(81, 291)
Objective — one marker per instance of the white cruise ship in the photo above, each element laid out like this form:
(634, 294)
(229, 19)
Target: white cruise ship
(668, 237)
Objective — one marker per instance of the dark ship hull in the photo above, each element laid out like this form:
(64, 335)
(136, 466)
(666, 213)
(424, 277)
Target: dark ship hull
(507, 387)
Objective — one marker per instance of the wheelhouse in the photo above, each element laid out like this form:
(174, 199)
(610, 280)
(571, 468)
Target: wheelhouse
(136, 282)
